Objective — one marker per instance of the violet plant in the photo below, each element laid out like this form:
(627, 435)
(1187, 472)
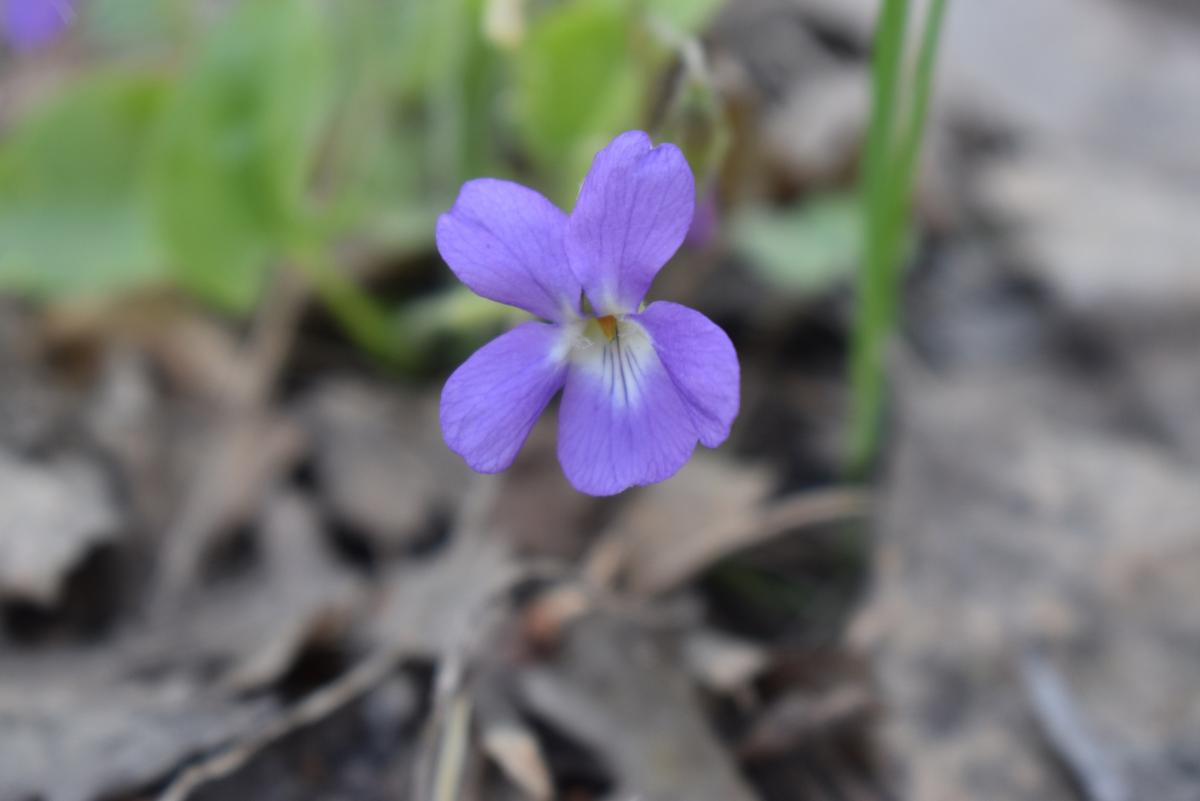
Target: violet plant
(641, 386)
(30, 24)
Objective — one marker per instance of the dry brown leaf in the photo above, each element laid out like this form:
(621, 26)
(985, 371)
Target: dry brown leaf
(1054, 200)
(657, 533)
(537, 510)
(31, 405)
(1113, 79)
(1012, 520)
(51, 516)
(614, 690)
(723, 663)
(434, 607)
(254, 625)
(69, 739)
(240, 459)
(800, 717)
(815, 134)
(546, 617)
(517, 752)
(711, 509)
(381, 463)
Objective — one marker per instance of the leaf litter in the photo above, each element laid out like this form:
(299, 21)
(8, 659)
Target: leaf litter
(346, 614)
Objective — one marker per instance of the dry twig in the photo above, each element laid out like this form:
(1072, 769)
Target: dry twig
(1066, 732)
(316, 707)
(656, 570)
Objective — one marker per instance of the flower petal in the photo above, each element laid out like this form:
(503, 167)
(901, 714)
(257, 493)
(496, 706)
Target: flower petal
(505, 241)
(490, 403)
(632, 214)
(702, 363)
(30, 24)
(621, 421)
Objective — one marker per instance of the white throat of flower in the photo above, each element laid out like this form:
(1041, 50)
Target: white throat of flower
(615, 351)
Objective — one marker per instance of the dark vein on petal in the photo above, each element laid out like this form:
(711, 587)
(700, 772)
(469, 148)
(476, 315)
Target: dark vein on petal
(621, 363)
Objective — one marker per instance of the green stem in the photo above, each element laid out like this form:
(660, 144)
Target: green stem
(365, 322)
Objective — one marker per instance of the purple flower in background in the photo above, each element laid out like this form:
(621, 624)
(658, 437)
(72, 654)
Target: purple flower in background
(640, 388)
(30, 24)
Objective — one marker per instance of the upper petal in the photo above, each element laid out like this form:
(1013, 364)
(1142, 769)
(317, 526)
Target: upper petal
(622, 422)
(490, 403)
(633, 212)
(702, 363)
(506, 242)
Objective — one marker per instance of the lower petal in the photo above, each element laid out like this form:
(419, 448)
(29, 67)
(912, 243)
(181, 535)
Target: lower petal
(702, 363)
(490, 403)
(622, 422)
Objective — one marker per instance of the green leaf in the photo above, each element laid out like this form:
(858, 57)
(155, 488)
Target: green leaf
(238, 148)
(453, 323)
(122, 26)
(576, 85)
(426, 42)
(684, 16)
(806, 249)
(74, 210)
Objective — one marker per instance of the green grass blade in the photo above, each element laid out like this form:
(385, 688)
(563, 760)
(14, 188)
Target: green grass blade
(889, 174)
(914, 135)
(874, 281)
(897, 217)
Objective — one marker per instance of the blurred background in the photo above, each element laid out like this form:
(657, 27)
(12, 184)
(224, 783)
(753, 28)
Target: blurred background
(238, 562)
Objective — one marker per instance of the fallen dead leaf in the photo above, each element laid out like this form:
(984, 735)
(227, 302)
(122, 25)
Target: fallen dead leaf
(548, 616)
(722, 663)
(798, 718)
(438, 606)
(75, 741)
(1013, 521)
(1110, 79)
(381, 465)
(1054, 200)
(713, 508)
(255, 624)
(31, 406)
(51, 516)
(537, 511)
(613, 690)
(241, 457)
(516, 751)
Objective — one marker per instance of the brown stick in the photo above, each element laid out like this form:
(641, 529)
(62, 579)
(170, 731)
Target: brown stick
(316, 707)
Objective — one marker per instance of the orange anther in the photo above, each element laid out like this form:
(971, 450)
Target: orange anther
(608, 324)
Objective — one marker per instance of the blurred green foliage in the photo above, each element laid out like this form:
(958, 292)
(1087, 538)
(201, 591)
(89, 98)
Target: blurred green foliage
(236, 148)
(803, 249)
(206, 145)
(75, 206)
(565, 115)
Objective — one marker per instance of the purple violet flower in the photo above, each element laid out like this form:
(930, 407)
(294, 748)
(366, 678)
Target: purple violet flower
(30, 24)
(640, 386)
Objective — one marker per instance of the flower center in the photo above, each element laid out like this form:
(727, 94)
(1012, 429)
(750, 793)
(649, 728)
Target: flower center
(615, 352)
(608, 324)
